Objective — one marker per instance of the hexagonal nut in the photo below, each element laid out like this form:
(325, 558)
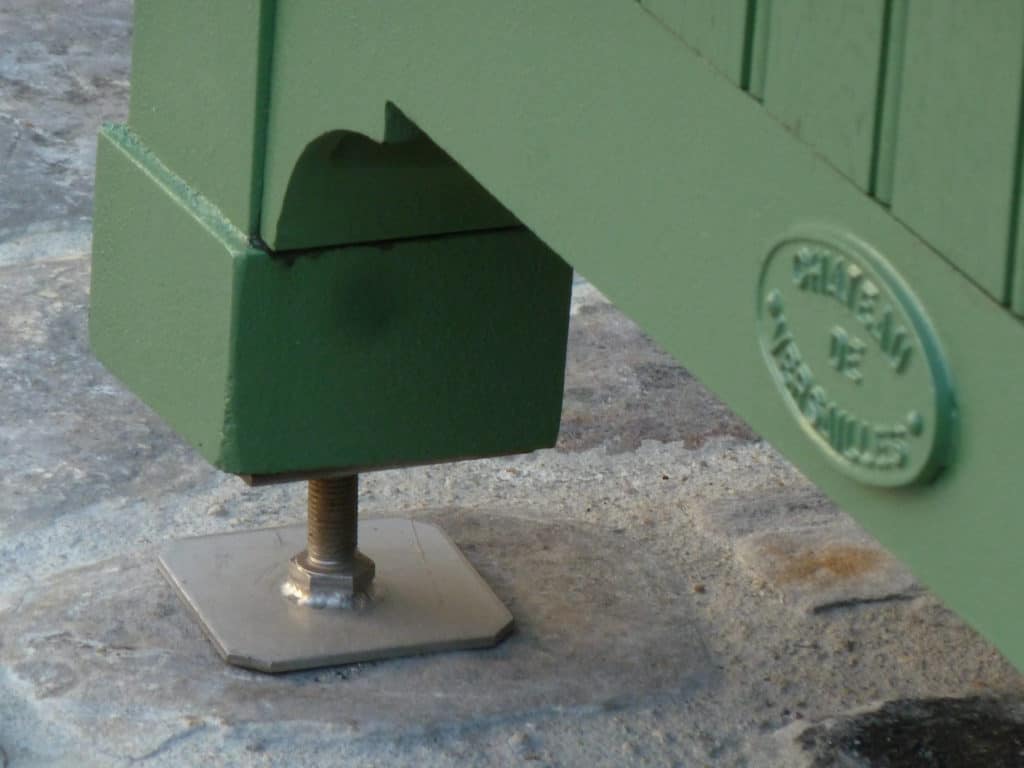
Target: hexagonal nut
(319, 587)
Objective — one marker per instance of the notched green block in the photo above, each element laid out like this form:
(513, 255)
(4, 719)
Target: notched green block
(363, 356)
(349, 188)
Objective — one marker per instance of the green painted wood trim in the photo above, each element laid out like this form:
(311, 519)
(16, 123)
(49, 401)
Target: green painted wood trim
(1015, 257)
(758, 39)
(264, 59)
(890, 81)
(200, 99)
(668, 189)
(401, 353)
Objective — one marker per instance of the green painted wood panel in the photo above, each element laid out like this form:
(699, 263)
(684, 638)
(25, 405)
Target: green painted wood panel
(198, 99)
(822, 77)
(714, 28)
(956, 147)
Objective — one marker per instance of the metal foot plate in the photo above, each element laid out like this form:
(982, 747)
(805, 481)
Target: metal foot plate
(426, 597)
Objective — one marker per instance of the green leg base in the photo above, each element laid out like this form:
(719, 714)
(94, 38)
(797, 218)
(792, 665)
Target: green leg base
(397, 353)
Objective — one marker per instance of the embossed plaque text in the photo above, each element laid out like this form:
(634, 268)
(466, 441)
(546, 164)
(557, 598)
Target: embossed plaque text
(855, 359)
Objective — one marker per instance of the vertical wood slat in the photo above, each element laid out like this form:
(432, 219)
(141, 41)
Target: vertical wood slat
(890, 85)
(822, 77)
(714, 28)
(759, 16)
(956, 154)
(1016, 266)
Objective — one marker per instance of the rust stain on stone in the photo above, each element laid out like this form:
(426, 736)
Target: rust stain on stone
(828, 565)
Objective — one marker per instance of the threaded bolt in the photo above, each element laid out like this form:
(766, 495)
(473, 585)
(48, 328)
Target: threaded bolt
(332, 535)
(331, 572)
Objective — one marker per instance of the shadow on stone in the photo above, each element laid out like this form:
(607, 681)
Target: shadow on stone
(922, 733)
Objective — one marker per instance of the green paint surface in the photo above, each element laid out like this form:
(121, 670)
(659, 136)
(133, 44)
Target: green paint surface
(160, 300)
(714, 28)
(198, 98)
(364, 356)
(349, 188)
(822, 75)
(956, 150)
(411, 352)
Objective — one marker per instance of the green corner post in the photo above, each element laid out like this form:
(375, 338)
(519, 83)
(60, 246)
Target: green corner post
(401, 316)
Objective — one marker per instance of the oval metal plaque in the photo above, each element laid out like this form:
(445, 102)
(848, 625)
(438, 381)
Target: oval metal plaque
(855, 359)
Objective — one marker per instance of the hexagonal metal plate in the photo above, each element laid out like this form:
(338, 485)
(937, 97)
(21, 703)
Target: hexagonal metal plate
(427, 597)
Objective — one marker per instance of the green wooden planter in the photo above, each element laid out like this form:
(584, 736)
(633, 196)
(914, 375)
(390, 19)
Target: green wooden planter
(814, 206)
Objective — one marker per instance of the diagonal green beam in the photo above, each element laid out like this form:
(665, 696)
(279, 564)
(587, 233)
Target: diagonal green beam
(667, 187)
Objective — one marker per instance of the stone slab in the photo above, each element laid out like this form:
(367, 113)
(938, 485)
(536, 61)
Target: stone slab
(110, 648)
(64, 70)
(818, 569)
(642, 639)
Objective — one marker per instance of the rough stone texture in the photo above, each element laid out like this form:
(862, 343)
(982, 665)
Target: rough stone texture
(667, 570)
(818, 569)
(117, 628)
(63, 71)
(645, 393)
(922, 734)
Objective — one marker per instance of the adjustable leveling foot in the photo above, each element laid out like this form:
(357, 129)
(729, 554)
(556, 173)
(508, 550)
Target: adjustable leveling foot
(356, 592)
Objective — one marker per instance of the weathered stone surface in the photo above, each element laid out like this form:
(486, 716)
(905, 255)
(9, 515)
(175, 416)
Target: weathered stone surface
(798, 544)
(101, 644)
(816, 569)
(620, 389)
(642, 639)
(927, 733)
(63, 71)
(767, 509)
(61, 409)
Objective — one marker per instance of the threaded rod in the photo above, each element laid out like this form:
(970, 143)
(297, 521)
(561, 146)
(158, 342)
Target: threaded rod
(333, 530)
